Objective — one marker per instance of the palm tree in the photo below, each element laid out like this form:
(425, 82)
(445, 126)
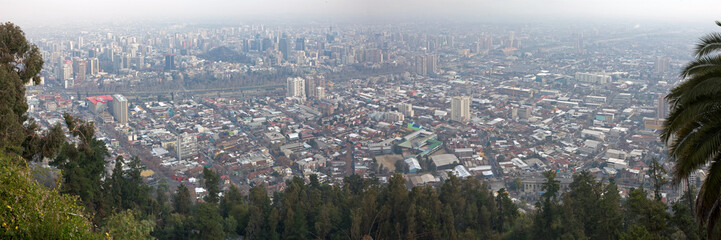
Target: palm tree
(692, 129)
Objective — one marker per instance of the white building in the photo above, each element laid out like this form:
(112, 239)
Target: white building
(120, 109)
(296, 88)
(599, 78)
(319, 93)
(406, 109)
(461, 108)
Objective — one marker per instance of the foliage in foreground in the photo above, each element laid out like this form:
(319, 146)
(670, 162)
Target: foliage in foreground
(31, 211)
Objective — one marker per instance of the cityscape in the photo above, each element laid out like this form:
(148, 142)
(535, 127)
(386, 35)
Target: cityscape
(360, 120)
(503, 104)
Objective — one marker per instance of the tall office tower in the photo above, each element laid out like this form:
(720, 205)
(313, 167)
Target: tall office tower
(461, 108)
(284, 47)
(80, 42)
(487, 43)
(300, 44)
(310, 85)
(67, 70)
(319, 93)
(266, 44)
(79, 69)
(432, 62)
(406, 109)
(420, 65)
(187, 145)
(94, 66)
(661, 65)
(169, 62)
(663, 107)
(296, 88)
(120, 109)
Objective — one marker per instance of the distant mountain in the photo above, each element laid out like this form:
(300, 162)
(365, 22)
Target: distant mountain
(225, 54)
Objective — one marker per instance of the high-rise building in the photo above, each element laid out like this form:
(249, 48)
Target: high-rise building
(420, 65)
(94, 66)
(67, 70)
(300, 44)
(432, 62)
(169, 62)
(393, 117)
(79, 69)
(661, 65)
(406, 109)
(663, 107)
(187, 145)
(310, 85)
(426, 64)
(461, 108)
(319, 93)
(284, 47)
(120, 109)
(296, 88)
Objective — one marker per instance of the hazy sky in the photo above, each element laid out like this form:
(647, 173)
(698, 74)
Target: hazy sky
(61, 11)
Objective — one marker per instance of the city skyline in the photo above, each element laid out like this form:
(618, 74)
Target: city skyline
(46, 12)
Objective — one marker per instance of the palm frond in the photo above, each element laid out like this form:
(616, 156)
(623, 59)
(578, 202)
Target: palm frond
(702, 65)
(708, 45)
(709, 193)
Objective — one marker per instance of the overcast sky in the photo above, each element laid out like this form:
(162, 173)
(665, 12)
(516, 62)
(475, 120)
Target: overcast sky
(62, 11)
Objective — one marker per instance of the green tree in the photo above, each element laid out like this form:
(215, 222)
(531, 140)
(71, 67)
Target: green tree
(656, 172)
(126, 225)
(650, 214)
(693, 126)
(610, 213)
(683, 217)
(637, 232)
(212, 183)
(20, 63)
(547, 222)
(207, 222)
(83, 163)
(507, 211)
(181, 201)
(31, 211)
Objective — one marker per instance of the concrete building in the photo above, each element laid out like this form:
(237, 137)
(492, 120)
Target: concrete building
(599, 78)
(406, 109)
(120, 109)
(296, 88)
(187, 145)
(461, 108)
(319, 93)
(393, 117)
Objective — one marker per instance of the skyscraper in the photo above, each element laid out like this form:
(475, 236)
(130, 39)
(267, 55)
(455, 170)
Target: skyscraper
(120, 109)
(169, 62)
(661, 65)
(461, 108)
(284, 48)
(663, 107)
(310, 85)
(67, 72)
(300, 44)
(432, 64)
(319, 93)
(406, 109)
(420, 65)
(296, 88)
(94, 66)
(79, 68)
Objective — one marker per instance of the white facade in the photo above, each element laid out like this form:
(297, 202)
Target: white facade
(461, 108)
(296, 88)
(120, 109)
